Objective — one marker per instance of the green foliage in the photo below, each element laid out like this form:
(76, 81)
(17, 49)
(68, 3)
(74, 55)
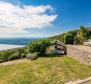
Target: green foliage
(74, 32)
(4, 55)
(22, 52)
(77, 40)
(12, 54)
(38, 46)
(75, 36)
(68, 38)
(83, 33)
(35, 54)
(89, 33)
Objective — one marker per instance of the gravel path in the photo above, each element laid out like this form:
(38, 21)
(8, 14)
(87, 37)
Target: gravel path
(84, 81)
(87, 82)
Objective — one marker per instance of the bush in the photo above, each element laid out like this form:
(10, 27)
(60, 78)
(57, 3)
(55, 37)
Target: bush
(68, 38)
(38, 46)
(12, 54)
(23, 55)
(21, 52)
(4, 55)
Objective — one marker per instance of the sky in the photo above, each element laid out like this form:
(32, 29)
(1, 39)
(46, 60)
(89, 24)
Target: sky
(42, 18)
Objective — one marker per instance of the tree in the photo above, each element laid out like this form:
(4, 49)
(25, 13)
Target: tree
(89, 32)
(38, 46)
(77, 40)
(68, 38)
(82, 35)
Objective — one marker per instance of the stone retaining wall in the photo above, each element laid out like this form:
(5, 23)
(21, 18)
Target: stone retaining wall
(81, 55)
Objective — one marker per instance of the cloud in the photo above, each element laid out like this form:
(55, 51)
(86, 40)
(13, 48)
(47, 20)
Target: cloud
(14, 19)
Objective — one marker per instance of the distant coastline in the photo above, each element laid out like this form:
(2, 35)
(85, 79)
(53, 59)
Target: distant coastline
(10, 43)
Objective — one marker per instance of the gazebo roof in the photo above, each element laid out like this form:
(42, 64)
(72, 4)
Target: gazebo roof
(57, 42)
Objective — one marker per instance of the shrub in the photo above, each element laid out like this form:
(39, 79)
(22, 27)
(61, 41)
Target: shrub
(14, 56)
(23, 55)
(21, 52)
(38, 46)
(4, 55)
(68, 38)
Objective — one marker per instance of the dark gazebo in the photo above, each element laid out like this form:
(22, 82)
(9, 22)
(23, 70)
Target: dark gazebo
(57, 47)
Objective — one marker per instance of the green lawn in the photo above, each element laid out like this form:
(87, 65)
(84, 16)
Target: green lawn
(44, 70)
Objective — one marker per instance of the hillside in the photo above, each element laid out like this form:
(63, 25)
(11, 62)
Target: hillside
(61, 36)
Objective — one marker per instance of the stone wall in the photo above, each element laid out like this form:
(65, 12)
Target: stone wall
(81, 55)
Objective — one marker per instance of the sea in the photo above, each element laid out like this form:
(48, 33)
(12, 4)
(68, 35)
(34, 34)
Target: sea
(17, 41)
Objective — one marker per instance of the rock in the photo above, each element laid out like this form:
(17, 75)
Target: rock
(32, 57)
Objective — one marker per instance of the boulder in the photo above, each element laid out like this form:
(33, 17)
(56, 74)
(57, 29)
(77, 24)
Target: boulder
(31, 56)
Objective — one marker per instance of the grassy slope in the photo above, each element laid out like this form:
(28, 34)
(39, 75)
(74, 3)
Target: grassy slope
(45, 70)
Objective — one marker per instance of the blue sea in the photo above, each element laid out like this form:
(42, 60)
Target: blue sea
(17, 41)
